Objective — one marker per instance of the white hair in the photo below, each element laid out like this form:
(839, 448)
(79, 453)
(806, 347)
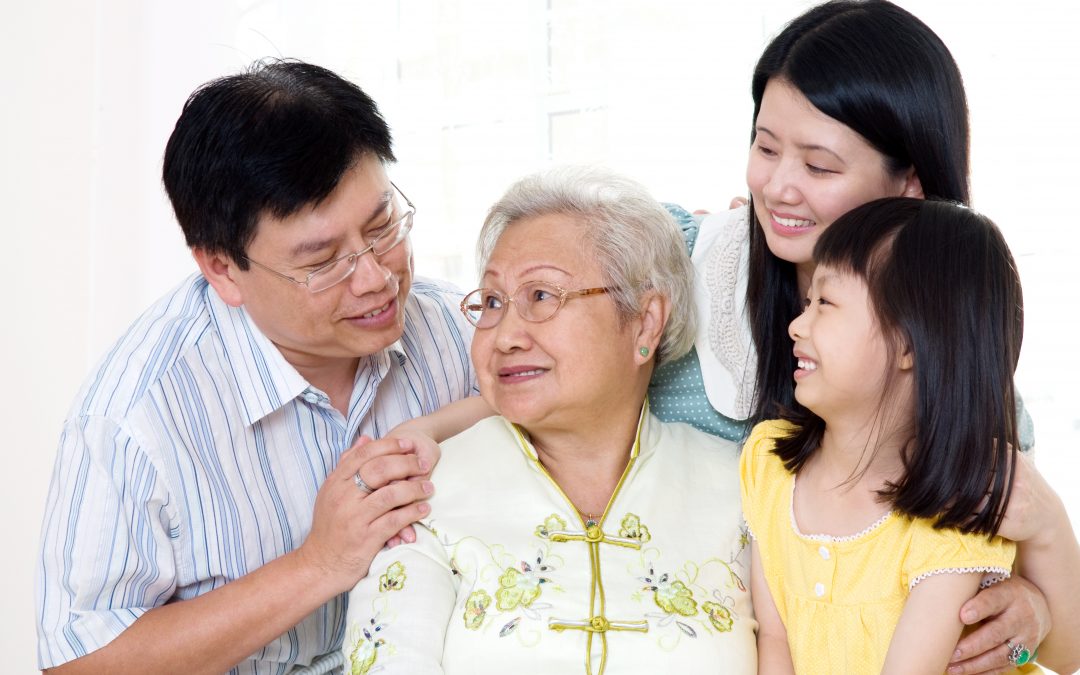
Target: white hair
(634, 239)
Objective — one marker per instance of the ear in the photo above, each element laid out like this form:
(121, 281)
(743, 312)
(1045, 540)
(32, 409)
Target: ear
(906, 359)
(912, 185)
(219, 269)
(655, 310)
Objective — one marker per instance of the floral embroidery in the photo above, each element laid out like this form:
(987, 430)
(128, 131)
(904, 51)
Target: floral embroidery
(631, 528)
(551, 524)
(365, 650)
(476, 609)
(518, 587)
(671, 596)
(719, 616)
(394, 579)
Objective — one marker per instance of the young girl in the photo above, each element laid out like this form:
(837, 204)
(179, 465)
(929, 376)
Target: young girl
(872, 504)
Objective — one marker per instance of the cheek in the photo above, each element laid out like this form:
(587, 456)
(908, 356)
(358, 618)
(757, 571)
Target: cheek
(757, 175)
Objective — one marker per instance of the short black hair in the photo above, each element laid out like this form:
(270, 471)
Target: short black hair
(270, 140)
(945, 288)
(879, 70)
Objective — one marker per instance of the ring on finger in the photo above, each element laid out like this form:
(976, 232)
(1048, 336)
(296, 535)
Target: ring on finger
(360, 484)
(1018, 653)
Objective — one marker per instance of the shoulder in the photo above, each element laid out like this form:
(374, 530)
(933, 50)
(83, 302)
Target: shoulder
(931, 550)
(759, 466)
(153, 346)
(433, 308)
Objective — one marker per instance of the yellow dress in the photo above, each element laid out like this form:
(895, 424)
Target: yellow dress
(840, 598)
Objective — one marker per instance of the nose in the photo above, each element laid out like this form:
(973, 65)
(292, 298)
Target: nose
(369, 275)
(799, 328)
(780, 186)
(512, 332)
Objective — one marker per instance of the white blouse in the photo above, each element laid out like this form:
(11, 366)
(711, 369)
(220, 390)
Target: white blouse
(506, 576)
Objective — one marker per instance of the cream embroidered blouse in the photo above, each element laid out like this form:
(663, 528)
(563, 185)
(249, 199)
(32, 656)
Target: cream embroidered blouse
(506, 577)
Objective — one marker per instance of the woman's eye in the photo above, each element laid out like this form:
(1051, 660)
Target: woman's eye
(823, 301)
(768, 152)
(817, 170)
(540, 294)
(491, 302)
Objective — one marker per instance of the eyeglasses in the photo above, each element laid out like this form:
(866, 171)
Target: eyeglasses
(336, 271)
(536, 301)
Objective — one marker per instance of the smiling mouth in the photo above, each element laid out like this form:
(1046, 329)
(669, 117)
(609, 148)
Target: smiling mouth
(377, 311)
(792, 223)
(807, 364)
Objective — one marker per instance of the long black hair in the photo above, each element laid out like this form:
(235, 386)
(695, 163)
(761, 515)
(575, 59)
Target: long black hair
(882, 72)
(945, 289)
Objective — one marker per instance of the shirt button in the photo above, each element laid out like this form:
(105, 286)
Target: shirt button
(824, 553)
(310, 397)
(819, 589)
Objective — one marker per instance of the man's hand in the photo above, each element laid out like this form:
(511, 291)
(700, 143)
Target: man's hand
(1013, 609)
(349, 526)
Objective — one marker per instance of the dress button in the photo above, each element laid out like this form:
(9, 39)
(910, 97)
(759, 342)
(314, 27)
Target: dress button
(819, 589)
(824, 553)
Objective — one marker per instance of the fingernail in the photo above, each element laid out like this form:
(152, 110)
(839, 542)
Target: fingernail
(423, 463)
(956, 654)
(425, 508)
(427, 486)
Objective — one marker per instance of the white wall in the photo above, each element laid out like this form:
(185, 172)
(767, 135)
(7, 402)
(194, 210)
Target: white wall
(657, 90)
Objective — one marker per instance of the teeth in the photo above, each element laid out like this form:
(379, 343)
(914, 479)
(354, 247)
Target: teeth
(526, 372)
(793, 222)
(376, 311)
(807, 364)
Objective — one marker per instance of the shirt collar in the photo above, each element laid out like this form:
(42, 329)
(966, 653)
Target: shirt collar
(261, 377)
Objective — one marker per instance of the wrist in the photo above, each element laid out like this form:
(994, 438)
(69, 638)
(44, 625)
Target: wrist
(317, 575)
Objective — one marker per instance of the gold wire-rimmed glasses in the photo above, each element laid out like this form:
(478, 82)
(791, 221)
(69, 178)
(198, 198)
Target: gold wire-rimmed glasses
(536, 301)
(338, 270)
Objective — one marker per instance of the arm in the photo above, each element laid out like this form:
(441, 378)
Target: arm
(773, 653)
(929, 625)
(398, 614)
(447, 421)
(225, 626)
(1046, 599)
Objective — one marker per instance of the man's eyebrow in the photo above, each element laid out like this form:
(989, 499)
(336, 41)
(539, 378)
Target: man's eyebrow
(317, 245)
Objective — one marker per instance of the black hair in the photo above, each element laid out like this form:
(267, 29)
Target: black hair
(271, 140)
(882, 72)
(945, 289)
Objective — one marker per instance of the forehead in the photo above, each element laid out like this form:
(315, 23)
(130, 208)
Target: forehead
(361, 198)
(548, 244)
(789, 116)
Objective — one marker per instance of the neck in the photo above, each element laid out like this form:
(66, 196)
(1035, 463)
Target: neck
(333, 377)
(587, 463)
(872, 449)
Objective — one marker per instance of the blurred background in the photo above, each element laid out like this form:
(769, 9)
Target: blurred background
(477, 93)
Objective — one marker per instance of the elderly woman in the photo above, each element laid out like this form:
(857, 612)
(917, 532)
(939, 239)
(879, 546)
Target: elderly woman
(574, 529)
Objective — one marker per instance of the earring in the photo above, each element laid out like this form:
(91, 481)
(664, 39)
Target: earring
(644, 351)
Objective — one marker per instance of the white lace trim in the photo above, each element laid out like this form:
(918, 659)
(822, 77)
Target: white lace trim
(727, 337)
(828, 537)
(1001, 571)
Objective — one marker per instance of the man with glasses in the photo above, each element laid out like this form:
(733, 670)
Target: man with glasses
(211, 501)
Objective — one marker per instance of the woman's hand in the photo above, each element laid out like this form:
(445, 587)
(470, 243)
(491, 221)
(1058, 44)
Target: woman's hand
(1033, 505)
(1014, 610)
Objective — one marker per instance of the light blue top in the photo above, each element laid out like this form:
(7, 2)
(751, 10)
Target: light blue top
(193, 454)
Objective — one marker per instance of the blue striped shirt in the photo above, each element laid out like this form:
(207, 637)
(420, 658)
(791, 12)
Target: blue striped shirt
(193, 454)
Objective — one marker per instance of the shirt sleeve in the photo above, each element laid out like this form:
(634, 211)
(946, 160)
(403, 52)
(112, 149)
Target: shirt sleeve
(398, 614)
(688, 224)
(753, 464)
(949, 551)
(106, 555)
